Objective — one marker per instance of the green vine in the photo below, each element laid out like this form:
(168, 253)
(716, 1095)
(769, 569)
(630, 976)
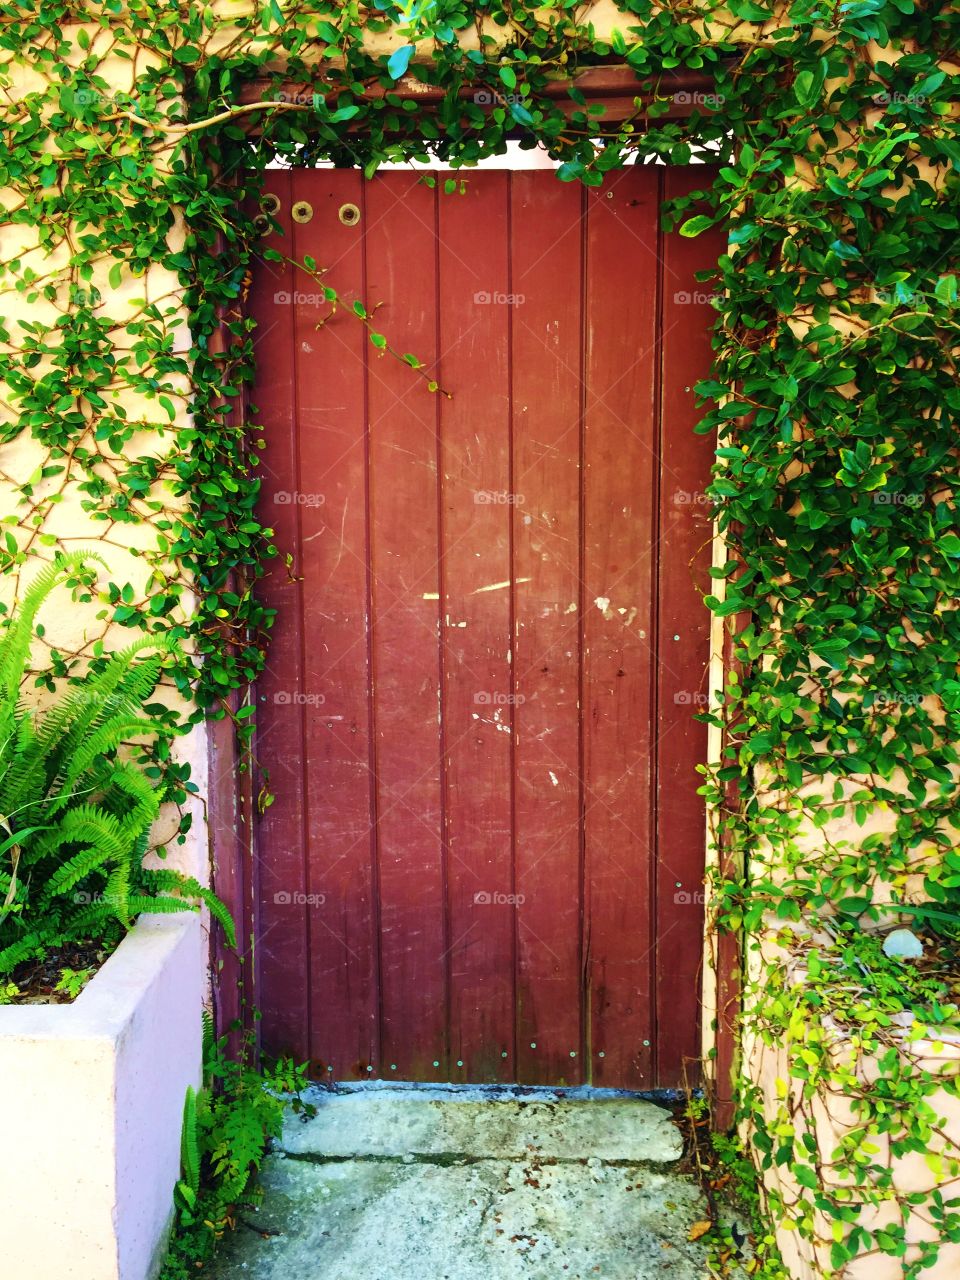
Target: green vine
(136, 136)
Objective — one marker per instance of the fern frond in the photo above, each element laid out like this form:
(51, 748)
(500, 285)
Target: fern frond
(189, 1144)
(161, 905)
(174, 881)
(106, 739)
(101, 839)
(120, 687)
(31, 944)
(209, 1033)
(18, 636)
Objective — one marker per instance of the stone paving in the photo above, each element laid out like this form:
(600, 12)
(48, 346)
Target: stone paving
(465, 1183)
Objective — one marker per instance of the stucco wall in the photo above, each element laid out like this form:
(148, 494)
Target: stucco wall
(96, 1093)
(55, 517)
(828, 1116)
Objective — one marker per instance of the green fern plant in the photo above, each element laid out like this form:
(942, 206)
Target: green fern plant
(227, 1128)
(75, 816)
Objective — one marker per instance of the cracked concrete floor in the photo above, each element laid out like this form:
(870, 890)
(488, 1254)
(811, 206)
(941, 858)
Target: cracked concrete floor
(472, 1184)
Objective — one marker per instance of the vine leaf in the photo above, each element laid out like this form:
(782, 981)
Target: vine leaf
(694, 226)
(399, 60)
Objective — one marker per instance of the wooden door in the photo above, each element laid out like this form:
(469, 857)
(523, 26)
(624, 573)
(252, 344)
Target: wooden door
(484, 858)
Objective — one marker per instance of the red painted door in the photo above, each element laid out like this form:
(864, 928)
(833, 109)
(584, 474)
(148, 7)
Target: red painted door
(484, 858)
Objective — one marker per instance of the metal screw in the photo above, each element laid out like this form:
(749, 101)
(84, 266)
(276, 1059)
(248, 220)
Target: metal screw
(533, 1044)
(573, 1053)
(676, 637)
(504, 1054)
(647, 1043)
(459, 1062)
(436, 1064)
(601, 1054)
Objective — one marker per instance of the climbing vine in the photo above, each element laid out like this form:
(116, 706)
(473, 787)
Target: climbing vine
(135, 139)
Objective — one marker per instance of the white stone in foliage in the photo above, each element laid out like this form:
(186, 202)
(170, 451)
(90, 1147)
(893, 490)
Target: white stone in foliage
(903, 944)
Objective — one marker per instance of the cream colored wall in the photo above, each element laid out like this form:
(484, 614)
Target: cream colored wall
(54, 518)
(827, 1114)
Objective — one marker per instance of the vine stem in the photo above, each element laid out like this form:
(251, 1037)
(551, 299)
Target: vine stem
(194, 126)
(316, 274)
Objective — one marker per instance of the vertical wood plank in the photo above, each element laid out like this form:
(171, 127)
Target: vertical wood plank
(684, 638)
(546, 219)
(401, 275)
(282, 944)
(476, 623)
(341, 827)
(618, 628)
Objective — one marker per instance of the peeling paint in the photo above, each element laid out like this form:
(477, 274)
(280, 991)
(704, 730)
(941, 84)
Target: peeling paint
(497, 586)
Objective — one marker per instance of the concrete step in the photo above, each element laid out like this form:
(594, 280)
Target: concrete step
(397, 1121)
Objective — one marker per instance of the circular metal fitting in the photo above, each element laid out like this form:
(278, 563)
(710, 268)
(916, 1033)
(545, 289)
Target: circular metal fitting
(349, 215)
(270, 204)
(262, 223)
(302, 211)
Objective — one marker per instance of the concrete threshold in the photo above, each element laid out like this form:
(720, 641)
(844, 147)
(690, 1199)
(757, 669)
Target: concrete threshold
(472, 1183)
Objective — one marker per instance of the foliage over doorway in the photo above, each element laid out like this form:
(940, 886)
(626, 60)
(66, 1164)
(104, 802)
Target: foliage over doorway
(127, 153)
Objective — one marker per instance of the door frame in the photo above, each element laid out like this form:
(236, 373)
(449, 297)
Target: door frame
(232, 802)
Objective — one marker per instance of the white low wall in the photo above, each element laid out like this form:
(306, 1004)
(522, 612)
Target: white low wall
(92, 1106)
